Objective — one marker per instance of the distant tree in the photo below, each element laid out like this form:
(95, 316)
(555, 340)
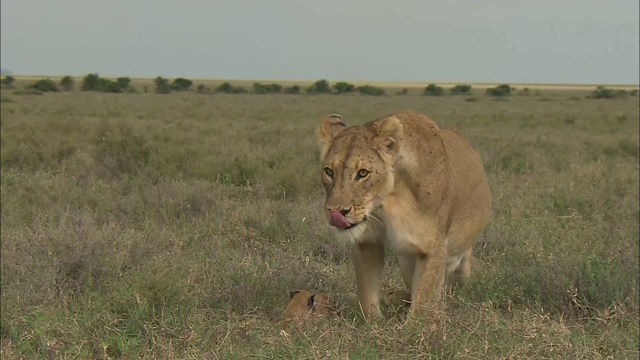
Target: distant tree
(500, 90)
(67, 83)
(239, 90)
(294, 89)
(109, 86)
(8, 81)
(525, 92)
(162, 85)
(266, 89)
(201, 89)
(225, 88)
(370, 90)
(320, 87)
(344, 87)
(602, 92)
(45, 85)
(181, 84)
(460, 90)
(124, 82)
(433, 90)
(91, 82)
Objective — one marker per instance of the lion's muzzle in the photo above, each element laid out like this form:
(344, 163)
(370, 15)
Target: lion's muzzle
(337, 219)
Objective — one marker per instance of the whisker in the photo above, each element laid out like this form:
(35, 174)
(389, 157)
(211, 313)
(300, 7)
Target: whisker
(376, 219)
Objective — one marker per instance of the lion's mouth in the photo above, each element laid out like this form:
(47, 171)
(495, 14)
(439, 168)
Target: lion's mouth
(338, 220)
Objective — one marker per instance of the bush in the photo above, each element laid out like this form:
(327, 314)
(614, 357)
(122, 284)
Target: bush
(45, 85)
(162, 85)
(8, 81)
(109, 86)
(525, 92)
(91, 82)
(344, 87)
(404, 91)
(295, 89)
(181, 84)
(370, 90)
(67, 83)
(320, 87)
(500, 90)
(602, 92)
(433, 90)
(201, 89)
(124, 82)
(633, 92)
(225, 88)
(239, 90)
(267, 89)
(460, 90)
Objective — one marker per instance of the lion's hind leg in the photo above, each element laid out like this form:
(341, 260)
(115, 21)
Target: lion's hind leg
(459, 269)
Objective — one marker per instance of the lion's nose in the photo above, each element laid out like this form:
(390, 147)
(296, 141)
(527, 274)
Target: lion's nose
(345, 211)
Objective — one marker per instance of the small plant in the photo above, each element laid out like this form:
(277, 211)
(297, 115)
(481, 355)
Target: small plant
(404, 91)
(500, 90)
(320, 87)
(8, 81)
(460, 90)
(45, 85)
(343, 87)
(67, 83)
(162, 85)
(370, 90)
(28, 91)
(433, 90)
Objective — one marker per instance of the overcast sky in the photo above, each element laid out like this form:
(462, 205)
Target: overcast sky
(540, 41)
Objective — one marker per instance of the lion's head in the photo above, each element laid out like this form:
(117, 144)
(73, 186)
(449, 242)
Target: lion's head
(358, 165)
(304, 304)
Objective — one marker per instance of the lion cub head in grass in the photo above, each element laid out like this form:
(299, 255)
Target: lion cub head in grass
(305, 305)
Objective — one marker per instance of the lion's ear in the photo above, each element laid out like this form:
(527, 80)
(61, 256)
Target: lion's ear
(293, 293)
(389, 133)
(331, 126)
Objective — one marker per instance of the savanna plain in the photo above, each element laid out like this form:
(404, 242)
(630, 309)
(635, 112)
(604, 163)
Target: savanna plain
(173, 226)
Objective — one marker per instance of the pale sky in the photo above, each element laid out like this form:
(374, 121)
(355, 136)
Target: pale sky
(534, 41)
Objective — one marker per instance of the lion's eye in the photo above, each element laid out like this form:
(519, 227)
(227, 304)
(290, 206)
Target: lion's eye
(329, 172)
(362, 173)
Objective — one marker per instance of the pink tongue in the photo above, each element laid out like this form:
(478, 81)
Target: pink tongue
(338, 220)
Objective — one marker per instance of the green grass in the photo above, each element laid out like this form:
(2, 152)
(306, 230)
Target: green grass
(173, 226)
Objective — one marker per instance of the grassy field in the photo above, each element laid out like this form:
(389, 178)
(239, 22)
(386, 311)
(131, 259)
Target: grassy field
(173, 226)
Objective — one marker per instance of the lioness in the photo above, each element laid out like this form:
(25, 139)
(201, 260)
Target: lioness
(402, 182)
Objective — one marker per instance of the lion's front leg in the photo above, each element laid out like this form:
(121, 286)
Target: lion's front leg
(428, 282)
(368, 260)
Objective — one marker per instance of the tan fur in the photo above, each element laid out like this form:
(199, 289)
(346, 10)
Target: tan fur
(426, 196)
(305, 305)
